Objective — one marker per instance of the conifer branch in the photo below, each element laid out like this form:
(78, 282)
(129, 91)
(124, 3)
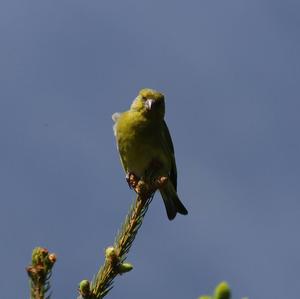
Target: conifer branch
(116, 254)
(40, 272)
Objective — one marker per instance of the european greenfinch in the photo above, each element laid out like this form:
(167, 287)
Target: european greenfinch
(143, 139)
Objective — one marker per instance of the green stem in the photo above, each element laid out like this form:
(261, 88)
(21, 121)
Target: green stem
(103, 282)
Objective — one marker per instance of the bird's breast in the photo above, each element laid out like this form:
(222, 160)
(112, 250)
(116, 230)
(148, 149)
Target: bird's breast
(137, 144)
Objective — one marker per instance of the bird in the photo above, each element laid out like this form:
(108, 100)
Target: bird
(143, 139)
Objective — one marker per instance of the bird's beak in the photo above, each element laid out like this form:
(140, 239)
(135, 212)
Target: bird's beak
(149, 103)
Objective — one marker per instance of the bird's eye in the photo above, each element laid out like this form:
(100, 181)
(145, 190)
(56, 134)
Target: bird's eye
(144, 98)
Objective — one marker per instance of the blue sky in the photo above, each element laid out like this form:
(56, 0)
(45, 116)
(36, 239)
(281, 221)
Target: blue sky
(230, 74)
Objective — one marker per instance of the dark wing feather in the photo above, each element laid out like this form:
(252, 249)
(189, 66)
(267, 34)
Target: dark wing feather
(170, 149)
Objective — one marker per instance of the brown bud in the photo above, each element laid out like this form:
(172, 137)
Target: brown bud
(52, 257)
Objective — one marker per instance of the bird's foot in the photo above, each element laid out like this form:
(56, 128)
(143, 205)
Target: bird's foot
(160, 182)
(146, 189)
(148, 184)
(155, 175)
(132, 180)
(142, 189)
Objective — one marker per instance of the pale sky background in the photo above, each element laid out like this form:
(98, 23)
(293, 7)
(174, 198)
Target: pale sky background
(230, 71)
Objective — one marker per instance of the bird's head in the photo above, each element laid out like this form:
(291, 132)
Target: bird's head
(150, 102)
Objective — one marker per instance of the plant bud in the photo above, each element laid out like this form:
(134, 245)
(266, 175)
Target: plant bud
(52, 258)
(222, 291)
(125, 267)
(84, 288)
(38, 255)
(111, 255)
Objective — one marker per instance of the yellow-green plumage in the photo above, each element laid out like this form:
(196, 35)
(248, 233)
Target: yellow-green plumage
(143, 138)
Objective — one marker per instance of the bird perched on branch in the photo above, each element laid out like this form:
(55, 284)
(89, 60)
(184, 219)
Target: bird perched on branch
(145, 145)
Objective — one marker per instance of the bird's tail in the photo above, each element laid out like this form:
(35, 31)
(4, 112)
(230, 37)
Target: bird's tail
(172, 202)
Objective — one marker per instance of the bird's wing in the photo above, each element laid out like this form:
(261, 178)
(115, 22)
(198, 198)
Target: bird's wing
(168, 145)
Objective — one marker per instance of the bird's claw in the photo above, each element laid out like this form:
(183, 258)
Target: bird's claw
(160, 182)
(132, 180)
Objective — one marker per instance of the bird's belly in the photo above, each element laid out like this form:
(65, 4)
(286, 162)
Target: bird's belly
(137, 156)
